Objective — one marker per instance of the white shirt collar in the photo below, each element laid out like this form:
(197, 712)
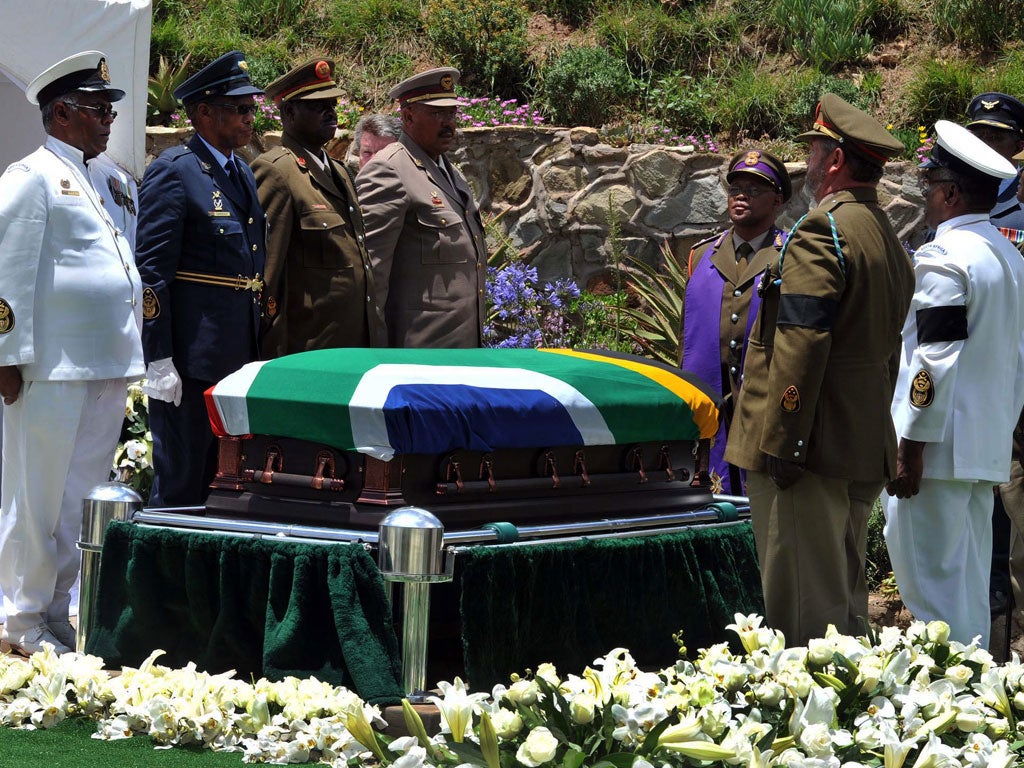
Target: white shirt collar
(961, 221)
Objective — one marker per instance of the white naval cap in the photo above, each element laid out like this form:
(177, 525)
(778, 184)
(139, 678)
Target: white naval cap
(961, 151)
(85, 71)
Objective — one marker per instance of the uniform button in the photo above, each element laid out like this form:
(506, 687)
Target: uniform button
(481, 292)
(222, 230)
(254, 246)
(351, 209)
(732, 344)
(443, 221)
(359, 238)
(800, 443)
(325, 225)
(732, 369)
(796, 454)
(250, 219)
(737, 292)
(734, 317)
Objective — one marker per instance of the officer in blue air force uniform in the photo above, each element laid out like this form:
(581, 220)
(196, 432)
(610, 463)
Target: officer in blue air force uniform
(998, 120)
(201, 250)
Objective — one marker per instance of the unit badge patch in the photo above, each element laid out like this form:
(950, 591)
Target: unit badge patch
(790, 400)
(271, 306)
(6, 317)
(922, 390)
(150, 304)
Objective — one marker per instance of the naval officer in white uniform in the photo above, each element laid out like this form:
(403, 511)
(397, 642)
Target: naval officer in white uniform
(70, 319)
(959, 391)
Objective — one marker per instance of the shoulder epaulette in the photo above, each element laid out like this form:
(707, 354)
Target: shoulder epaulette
(719, 236)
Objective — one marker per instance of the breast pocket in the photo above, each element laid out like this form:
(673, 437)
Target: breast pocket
(445, 239)
(229, 242)
(325, 239)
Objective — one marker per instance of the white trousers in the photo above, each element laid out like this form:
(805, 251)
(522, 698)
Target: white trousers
(940, 544)
(59, 441)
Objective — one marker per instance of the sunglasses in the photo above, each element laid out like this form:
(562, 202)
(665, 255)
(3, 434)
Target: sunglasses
(238, 109)
(102, 113)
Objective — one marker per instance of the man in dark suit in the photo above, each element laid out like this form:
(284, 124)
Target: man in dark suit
(319, 290)
(998, 120)
(201, 254)
(423, 228)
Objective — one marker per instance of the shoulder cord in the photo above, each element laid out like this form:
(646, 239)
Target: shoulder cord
(835, 241)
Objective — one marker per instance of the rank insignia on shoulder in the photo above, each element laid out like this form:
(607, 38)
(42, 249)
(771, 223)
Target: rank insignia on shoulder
(271, 306)
(790, 400)
(301, 162)
(150, 304)
(922, 390)
(6, 317)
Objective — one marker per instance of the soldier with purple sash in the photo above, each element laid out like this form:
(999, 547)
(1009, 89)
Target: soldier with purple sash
(721, 299)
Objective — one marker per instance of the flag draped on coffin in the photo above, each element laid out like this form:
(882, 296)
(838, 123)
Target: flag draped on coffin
(383, 402)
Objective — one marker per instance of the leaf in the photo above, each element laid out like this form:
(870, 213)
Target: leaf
(468, 752)
(616, 760)
(573, 759)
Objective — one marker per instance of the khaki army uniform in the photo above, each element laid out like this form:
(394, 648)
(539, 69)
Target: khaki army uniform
(319, 288)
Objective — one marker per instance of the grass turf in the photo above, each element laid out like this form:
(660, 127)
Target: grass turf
(70, 745)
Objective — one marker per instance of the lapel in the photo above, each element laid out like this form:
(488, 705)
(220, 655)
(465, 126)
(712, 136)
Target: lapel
(724, 259)
(212, 168)
(765, 255)
(436, 176)
(322, 178)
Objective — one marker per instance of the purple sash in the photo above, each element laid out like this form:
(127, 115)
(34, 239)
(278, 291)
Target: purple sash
(702, 312)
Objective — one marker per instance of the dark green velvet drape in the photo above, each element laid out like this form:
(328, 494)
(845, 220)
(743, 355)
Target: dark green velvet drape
(570, 603)
(258, 606)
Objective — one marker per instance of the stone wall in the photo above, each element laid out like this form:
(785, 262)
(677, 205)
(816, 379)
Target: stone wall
(560, 192)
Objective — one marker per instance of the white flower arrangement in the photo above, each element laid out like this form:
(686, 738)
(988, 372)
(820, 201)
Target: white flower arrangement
(893, 699)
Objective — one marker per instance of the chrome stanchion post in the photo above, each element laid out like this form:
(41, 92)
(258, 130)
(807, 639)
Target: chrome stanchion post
(105, 502)
(410, 542)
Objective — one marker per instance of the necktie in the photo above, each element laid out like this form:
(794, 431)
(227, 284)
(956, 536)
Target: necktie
(743, 253)
(235, 179)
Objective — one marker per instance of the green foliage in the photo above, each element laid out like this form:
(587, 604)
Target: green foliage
(941, 89)
(1006, 76)
(584, 86)
(753, 102)
(888, 19)
(808, 92)
(575, 12)
(878, 565)
(256, 16)
(978, 24)
(683, 102)
(828, 33)
(658, 317)
(646, 37)
(371, 25)
(486, 39)
(160, 102)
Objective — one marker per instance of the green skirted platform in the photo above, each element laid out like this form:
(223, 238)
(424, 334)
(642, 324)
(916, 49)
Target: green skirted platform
(571, 603)
(271, 608)
(258, 606)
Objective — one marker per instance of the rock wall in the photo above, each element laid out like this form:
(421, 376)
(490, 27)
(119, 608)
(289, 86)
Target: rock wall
(560, 194)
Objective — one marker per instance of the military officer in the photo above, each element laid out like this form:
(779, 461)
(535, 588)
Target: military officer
(812, 426)
(720, 302)
(998, 120)
(201, 255)
(423, 228)
(959, 391)
(70, 316)
(318, 291)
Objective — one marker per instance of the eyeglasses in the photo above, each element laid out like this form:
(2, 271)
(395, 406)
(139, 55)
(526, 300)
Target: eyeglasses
(238, 109)
(750, 190)
(319, 105)
(444, 115)
(102, 113)
(925, 183)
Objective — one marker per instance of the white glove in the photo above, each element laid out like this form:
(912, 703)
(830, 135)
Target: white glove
(163, 381)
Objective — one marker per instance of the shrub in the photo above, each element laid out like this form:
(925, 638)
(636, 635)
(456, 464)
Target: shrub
(941, 89)
(646, 37)
(574, 12)
(978, 24)
(753, 102)
(808, 93)
(829, 33)
(486, 39)
(888, 19)
(584, 86)
(371, 25)
(257, 16)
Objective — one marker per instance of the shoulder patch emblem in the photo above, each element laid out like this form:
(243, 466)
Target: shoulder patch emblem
(271, 306)
(922, 390)
(790, 400)
(6, 317)
(150, 304)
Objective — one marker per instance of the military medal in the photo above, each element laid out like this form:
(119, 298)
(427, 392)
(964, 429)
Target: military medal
(922, 390)
(150, 304)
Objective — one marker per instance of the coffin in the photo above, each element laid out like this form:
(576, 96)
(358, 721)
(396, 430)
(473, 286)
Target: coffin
(338, 437)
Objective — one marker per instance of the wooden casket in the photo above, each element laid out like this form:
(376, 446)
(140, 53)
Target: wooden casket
(338, 437)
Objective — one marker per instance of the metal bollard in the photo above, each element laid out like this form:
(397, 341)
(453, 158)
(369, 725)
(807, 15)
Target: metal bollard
(410, 552)
(105, 502)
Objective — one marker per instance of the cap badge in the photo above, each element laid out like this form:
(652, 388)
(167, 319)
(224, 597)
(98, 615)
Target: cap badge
(104, 72)
(242, 65)
(990, 104)
(323, 70)
(790, 400)
(922, 390)
(752, 158)
(150, 304)
(6, 317)
(447, 82)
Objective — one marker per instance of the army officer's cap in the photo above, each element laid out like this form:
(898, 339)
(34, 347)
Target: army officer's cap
(435, 87)
(854, 129)
(86, 71)
(228, 75)
(997, 110)
(313, 79)
(762, 165)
